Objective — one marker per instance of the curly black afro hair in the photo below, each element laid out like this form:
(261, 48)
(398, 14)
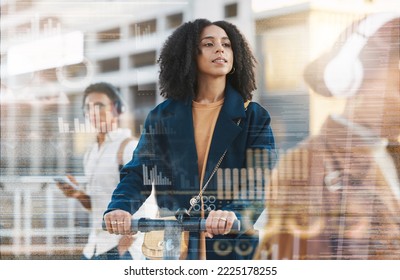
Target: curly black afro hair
(178, 66)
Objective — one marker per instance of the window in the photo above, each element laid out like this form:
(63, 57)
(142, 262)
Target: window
(108, 65)
(231, 10)
(47, 26)
(48, 75)
(21, 5)
(173, 21)
(23, 29)
(143, 28)
(50, 24)
(79, 70)
(4, 9)
(109, 35)
(143, 59)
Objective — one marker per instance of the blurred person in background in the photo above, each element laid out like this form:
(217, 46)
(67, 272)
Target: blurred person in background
(337, 194)
(103, 106)
(207, 75)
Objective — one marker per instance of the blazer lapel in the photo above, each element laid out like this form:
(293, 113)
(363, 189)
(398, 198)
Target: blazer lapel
(179, 121)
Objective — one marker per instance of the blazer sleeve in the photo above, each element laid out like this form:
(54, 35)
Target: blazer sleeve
(132, 190)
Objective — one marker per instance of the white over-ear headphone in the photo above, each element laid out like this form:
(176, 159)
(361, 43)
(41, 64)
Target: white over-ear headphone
(344, 74)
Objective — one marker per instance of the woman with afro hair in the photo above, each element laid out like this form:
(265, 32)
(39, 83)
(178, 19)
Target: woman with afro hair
(206, 122)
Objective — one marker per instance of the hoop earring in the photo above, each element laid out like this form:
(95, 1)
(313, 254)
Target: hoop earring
(232, 71)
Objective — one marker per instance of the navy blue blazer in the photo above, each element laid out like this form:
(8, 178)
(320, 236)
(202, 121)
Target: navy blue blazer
(166, 154)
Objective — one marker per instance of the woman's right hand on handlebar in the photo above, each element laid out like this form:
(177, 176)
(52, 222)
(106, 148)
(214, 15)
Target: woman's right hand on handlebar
(118, 222)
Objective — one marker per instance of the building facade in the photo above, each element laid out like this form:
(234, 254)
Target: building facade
(50, 52)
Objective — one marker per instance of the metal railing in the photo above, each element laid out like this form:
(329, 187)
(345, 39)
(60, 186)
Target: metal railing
(38, 220)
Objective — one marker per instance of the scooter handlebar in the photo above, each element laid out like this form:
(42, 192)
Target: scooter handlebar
(191, 224)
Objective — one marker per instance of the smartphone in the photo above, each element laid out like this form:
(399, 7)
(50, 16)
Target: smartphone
(65, 180)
